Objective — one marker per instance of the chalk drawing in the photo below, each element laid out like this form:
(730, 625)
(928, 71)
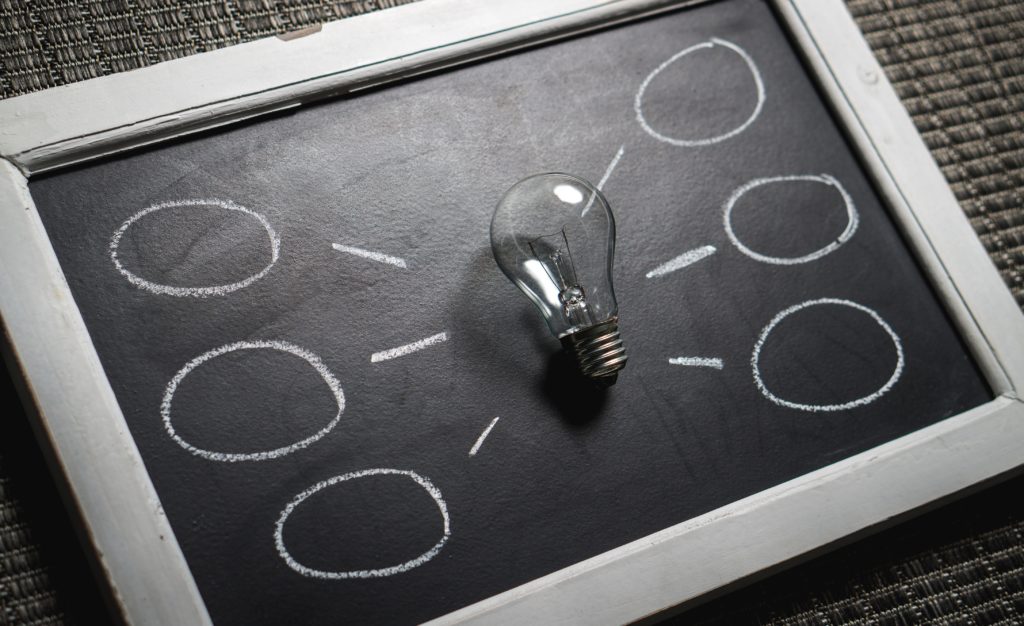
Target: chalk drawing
(604, 179)
(852, 219)
(897, 371)
(198, 292)
(697, 361)
(231, 457)
(366, 573)
(393, 353)
(368, 254)
(638, 102)
(611, 167)
(480, 439)
(681, 261)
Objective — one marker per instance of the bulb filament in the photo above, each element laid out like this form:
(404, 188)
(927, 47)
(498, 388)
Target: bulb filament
(555, 257)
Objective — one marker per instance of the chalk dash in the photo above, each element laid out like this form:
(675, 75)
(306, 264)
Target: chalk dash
(373, 256)
(697, 361)
(409, 348)
(483, 435)
(681, 261)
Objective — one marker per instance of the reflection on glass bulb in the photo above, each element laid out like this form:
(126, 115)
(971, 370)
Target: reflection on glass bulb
(554, 237)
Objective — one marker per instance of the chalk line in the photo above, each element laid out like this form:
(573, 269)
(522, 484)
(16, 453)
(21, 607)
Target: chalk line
(409, 348)
(199, 292)
(755, 358)
(483, 435)
(231, 457)
(611, 166)
(697, 361)
(714, 41)
(687, 258)
(852, 218)
(373, 256)
(366, 573)
(604, 179)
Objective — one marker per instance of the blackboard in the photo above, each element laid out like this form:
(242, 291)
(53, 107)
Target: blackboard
(786, 358)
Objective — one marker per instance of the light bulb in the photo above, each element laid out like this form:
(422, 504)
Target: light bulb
(554, 237)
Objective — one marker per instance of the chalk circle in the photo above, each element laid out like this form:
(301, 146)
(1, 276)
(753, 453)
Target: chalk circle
(197, 292)
(638, 102)
(427, 486)
(232, 457)
(755, 358)
(852, 219)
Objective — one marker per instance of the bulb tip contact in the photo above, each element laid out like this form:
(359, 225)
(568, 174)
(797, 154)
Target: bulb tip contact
(599, 351)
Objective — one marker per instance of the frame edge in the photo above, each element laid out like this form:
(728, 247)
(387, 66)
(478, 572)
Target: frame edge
(101, 466)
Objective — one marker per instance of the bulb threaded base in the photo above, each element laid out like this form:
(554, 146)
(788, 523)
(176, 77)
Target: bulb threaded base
(599, 351)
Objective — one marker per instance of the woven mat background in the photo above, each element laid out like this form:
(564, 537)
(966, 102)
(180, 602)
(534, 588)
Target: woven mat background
(957, 64)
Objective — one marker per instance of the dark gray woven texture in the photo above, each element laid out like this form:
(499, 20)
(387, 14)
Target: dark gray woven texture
(962, 564)
(26, 591)
(959, 68)
(54, 42)
(957, 64)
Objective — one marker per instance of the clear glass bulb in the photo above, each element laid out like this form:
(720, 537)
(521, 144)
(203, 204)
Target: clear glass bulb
(554, 237)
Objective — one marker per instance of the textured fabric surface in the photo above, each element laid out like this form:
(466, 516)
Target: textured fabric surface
(44, 574)
(26, 590)
(961, 564)
(959, 67)
(44, 43)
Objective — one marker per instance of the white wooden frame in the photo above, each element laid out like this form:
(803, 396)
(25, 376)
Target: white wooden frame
(84, 428)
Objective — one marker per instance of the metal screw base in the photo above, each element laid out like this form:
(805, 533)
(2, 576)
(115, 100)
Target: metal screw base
(598, 351)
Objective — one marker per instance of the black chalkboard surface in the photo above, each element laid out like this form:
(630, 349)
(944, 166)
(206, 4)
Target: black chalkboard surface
(309, 338)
